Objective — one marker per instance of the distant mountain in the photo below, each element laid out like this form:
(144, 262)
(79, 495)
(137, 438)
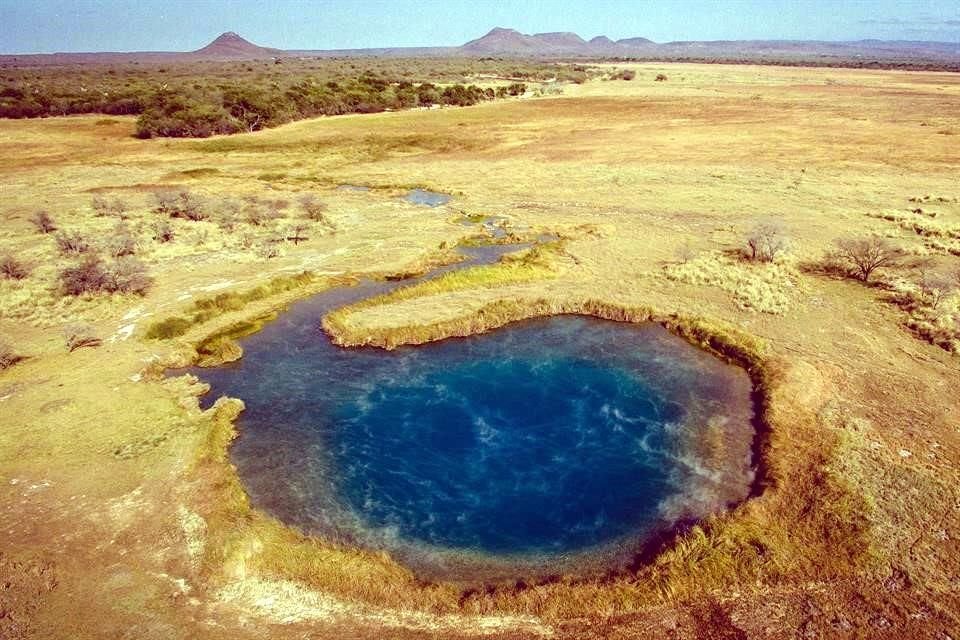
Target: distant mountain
(511, 43)
(502, 41)
(231, 46)
(636, 42)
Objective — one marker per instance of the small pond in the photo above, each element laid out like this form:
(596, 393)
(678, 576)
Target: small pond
(427, 198)
(549, 446)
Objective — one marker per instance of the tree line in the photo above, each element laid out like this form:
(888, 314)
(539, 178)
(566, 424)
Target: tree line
(226, 108)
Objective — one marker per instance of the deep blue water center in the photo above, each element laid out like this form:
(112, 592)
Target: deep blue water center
(501, 447)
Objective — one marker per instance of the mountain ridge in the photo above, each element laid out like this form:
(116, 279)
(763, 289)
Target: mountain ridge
(503, 41)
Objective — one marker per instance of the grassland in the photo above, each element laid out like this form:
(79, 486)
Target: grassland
(121, 514)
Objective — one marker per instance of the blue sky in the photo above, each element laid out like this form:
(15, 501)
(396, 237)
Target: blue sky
(179, 25)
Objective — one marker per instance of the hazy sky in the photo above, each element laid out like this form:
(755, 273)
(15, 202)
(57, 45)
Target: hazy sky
(180, 25)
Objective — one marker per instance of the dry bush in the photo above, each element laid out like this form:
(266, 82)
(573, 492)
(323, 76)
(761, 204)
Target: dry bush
(72, 243)
(103, 207)
(162, 231)
(12, 268)
(935, 287)
(268, 249)
(258, 212)
(8, 356)
(43, 221)
(864, 256)
(685, 252)
(766, 241)
(121, 242)
(80, 335)
(129, 275)
(92, 276)
(314, 209)
(180, 204)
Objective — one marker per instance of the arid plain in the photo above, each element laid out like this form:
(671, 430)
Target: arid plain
(121, 516)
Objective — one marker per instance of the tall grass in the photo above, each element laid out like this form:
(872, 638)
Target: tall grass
(204, 309)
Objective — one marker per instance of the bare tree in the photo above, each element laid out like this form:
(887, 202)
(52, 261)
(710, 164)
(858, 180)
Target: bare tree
(934, 287)
(295, 234)
(43, 221)
(685, 252)
(866, 255)
(766, 241)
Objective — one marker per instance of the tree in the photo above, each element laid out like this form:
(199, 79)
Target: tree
(43, 221)
(765, 242)
(866, 255)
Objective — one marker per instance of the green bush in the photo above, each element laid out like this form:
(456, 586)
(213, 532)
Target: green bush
(169, 328)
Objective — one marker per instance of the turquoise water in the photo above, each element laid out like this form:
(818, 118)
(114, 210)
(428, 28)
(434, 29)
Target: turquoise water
(553, 445)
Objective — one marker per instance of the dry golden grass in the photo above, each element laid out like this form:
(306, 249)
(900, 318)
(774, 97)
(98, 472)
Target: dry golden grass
(118, 483)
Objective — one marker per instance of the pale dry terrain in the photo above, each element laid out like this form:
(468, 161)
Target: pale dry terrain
(121, 518)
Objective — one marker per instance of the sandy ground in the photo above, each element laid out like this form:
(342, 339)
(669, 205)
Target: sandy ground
(113, 509)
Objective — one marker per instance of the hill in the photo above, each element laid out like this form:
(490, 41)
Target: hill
(231, 45)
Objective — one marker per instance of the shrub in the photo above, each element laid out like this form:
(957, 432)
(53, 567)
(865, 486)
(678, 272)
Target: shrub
(103, 207)
(43, 221)
(125, 275)
(121, 242)
(169, 328)
(179, 204)
(260, 212)
(128, 275)
(162, 231)
(8, 357)
(628, 74)
(80, 335)
(863, 256)
(313, 209)
(765, 242)
(12, 269)
(268, 249)
(72, 243)
(685, 252)
(660, 78)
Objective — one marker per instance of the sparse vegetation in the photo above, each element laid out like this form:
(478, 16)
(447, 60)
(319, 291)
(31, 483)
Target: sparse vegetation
(768, 287)
(163, 232)
(314, 209)
(73, 243)
(179, 204)
(43, 221)
(103, 207)
(12, 268)
(121, 242)
(80, 335)
(8, 356)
